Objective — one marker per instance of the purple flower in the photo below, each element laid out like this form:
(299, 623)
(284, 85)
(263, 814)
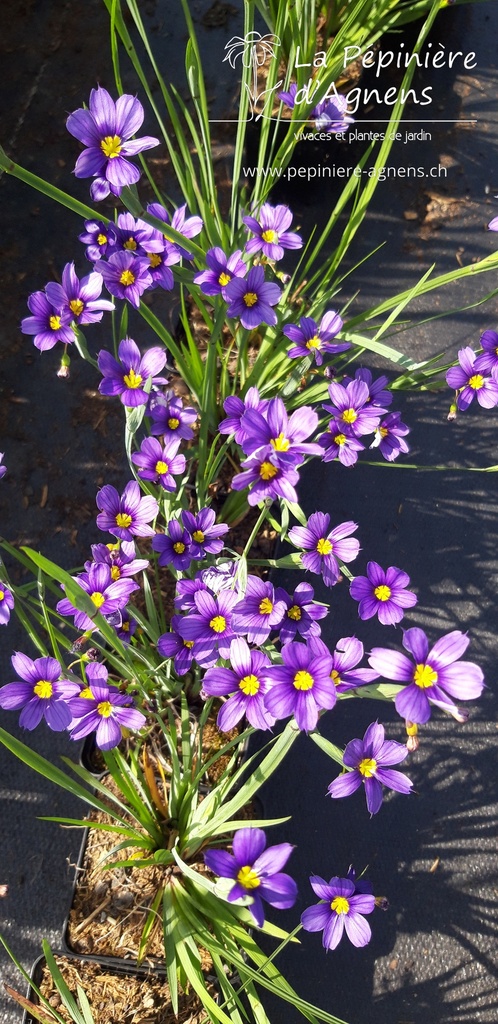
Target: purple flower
(186, 590)
(99, 239)
(159, 464)
(493, 224)
(120, 557)
(127, 628)
(389, 437)
(102, 709)
(221, 270)
(244, 682)
(172, 645)
(275, 434)
(260, 610)
(3, 469)
(128, 377)
(251, 299)
(205, 533)
(346, 656)
(108, 595)
(470, 383)
(271, 232)
(352, 407)
(311, 339)
(48, 324)
(210, 627)
(187, 226)
(301, 686)
(269, 480)
(489, 357)
(331, 115)
(301, 613)
(436, 676)
(128, 515)
(79, 299)
(382, 593)
(174, 547)
(256, 871)
(126, 276)
(235, 408)
(170, 418)
(378, 395)
(41, 694)
(105, 129)
(136, 236)
(339, 442)
(6, 602)
(325, 548)
(370, 760)
(343, 908)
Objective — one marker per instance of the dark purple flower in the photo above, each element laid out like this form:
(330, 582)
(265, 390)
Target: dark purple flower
(370, 760)
(136, 236)
(104, 710)
(331, 115)
(41, 694)
(325, 548)
(99, 239)
(389, 437)
(205, 532)
(312, 339)
(470, 383)
(352, 409)
(338, 442)
(259, 611)
(120, 557)
(126, 276)
(235, 408)
(48, 324)
(127, 628)
(210, 626)
(108, 595)
(170, 418)
(128, 377)
(269, 480)
(80, 299)
(221, 270)
(128, 515)
(343, 908)
(256, 871)
(105, 129)
(301, 686)
(6, 604)
(346, 656)
(272, 236)
(378, 395)
(274, 433)
(159, 464)
(189, 227)
(251, 299)
(301, 613)
(244, 682)
(174, 547)
(436, 676)
(489, 357)
(186, 589)
(172, 645)
(383, 593)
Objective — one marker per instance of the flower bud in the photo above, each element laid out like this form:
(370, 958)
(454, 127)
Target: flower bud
(63, 370)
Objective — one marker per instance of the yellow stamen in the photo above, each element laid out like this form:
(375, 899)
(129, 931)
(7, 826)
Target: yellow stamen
(188, 643)
(179, 547)
(280, 443)
(130, 244)
(314, 342)
(340, 439)
(269, 236)
(265, 606)
(248, 878)
(127, 278)
(367, 767)
(224, 279)
(249, 685)
(115, 573)
(198, 536)
(324, 546)
(383, 431)
(218, 624)
(76, 306)
(111, 146)
(303, 680)
(104, 709)
(2, 595)
(349, 416)
(295, 613)
(476, 382)
(97, 598)
(335, 677)
(55, 322)
(162, 467)
(86, 693)
(340, 904)
(155, 259)
(132, 380)
(101, 239)
(382, 592)
(267, 471)
(43, 689)
(124, 520)
(424, 676)
(250, 298)
(173, 423)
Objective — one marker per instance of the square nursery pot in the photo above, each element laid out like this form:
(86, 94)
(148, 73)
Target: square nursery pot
(126, 994)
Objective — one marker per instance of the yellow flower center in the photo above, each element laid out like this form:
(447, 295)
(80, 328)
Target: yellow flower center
(218, 624)
(76, 306)
(367, 767)
(188, 643)
(424, 676)
(104, 709)
(86, 693)
(179, 547)
(295, 613)
(198, 536)
(280, 443)
(2, 595)
(127, 278)
(125, 626)
(267, 471)
(224, 279)
(382, 593)
(155, 259)
(114, 547)
(269, 235)
(115, 573)
(173, 423)
(111, 146)
(55, 322)
(130, 244)
(43, 689)
(265, 606)
(335, 677)
(349, 416)
(303, 680)
(250, 298)
(340, 439)
(124, 520)
(248, 878)
(161, 467)
(324, 546)
(97, 598)
(383, 431)
(249, 685)
(132, 380)
(340, 904)
(101, 239)
(476, 382)
(313, 342)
